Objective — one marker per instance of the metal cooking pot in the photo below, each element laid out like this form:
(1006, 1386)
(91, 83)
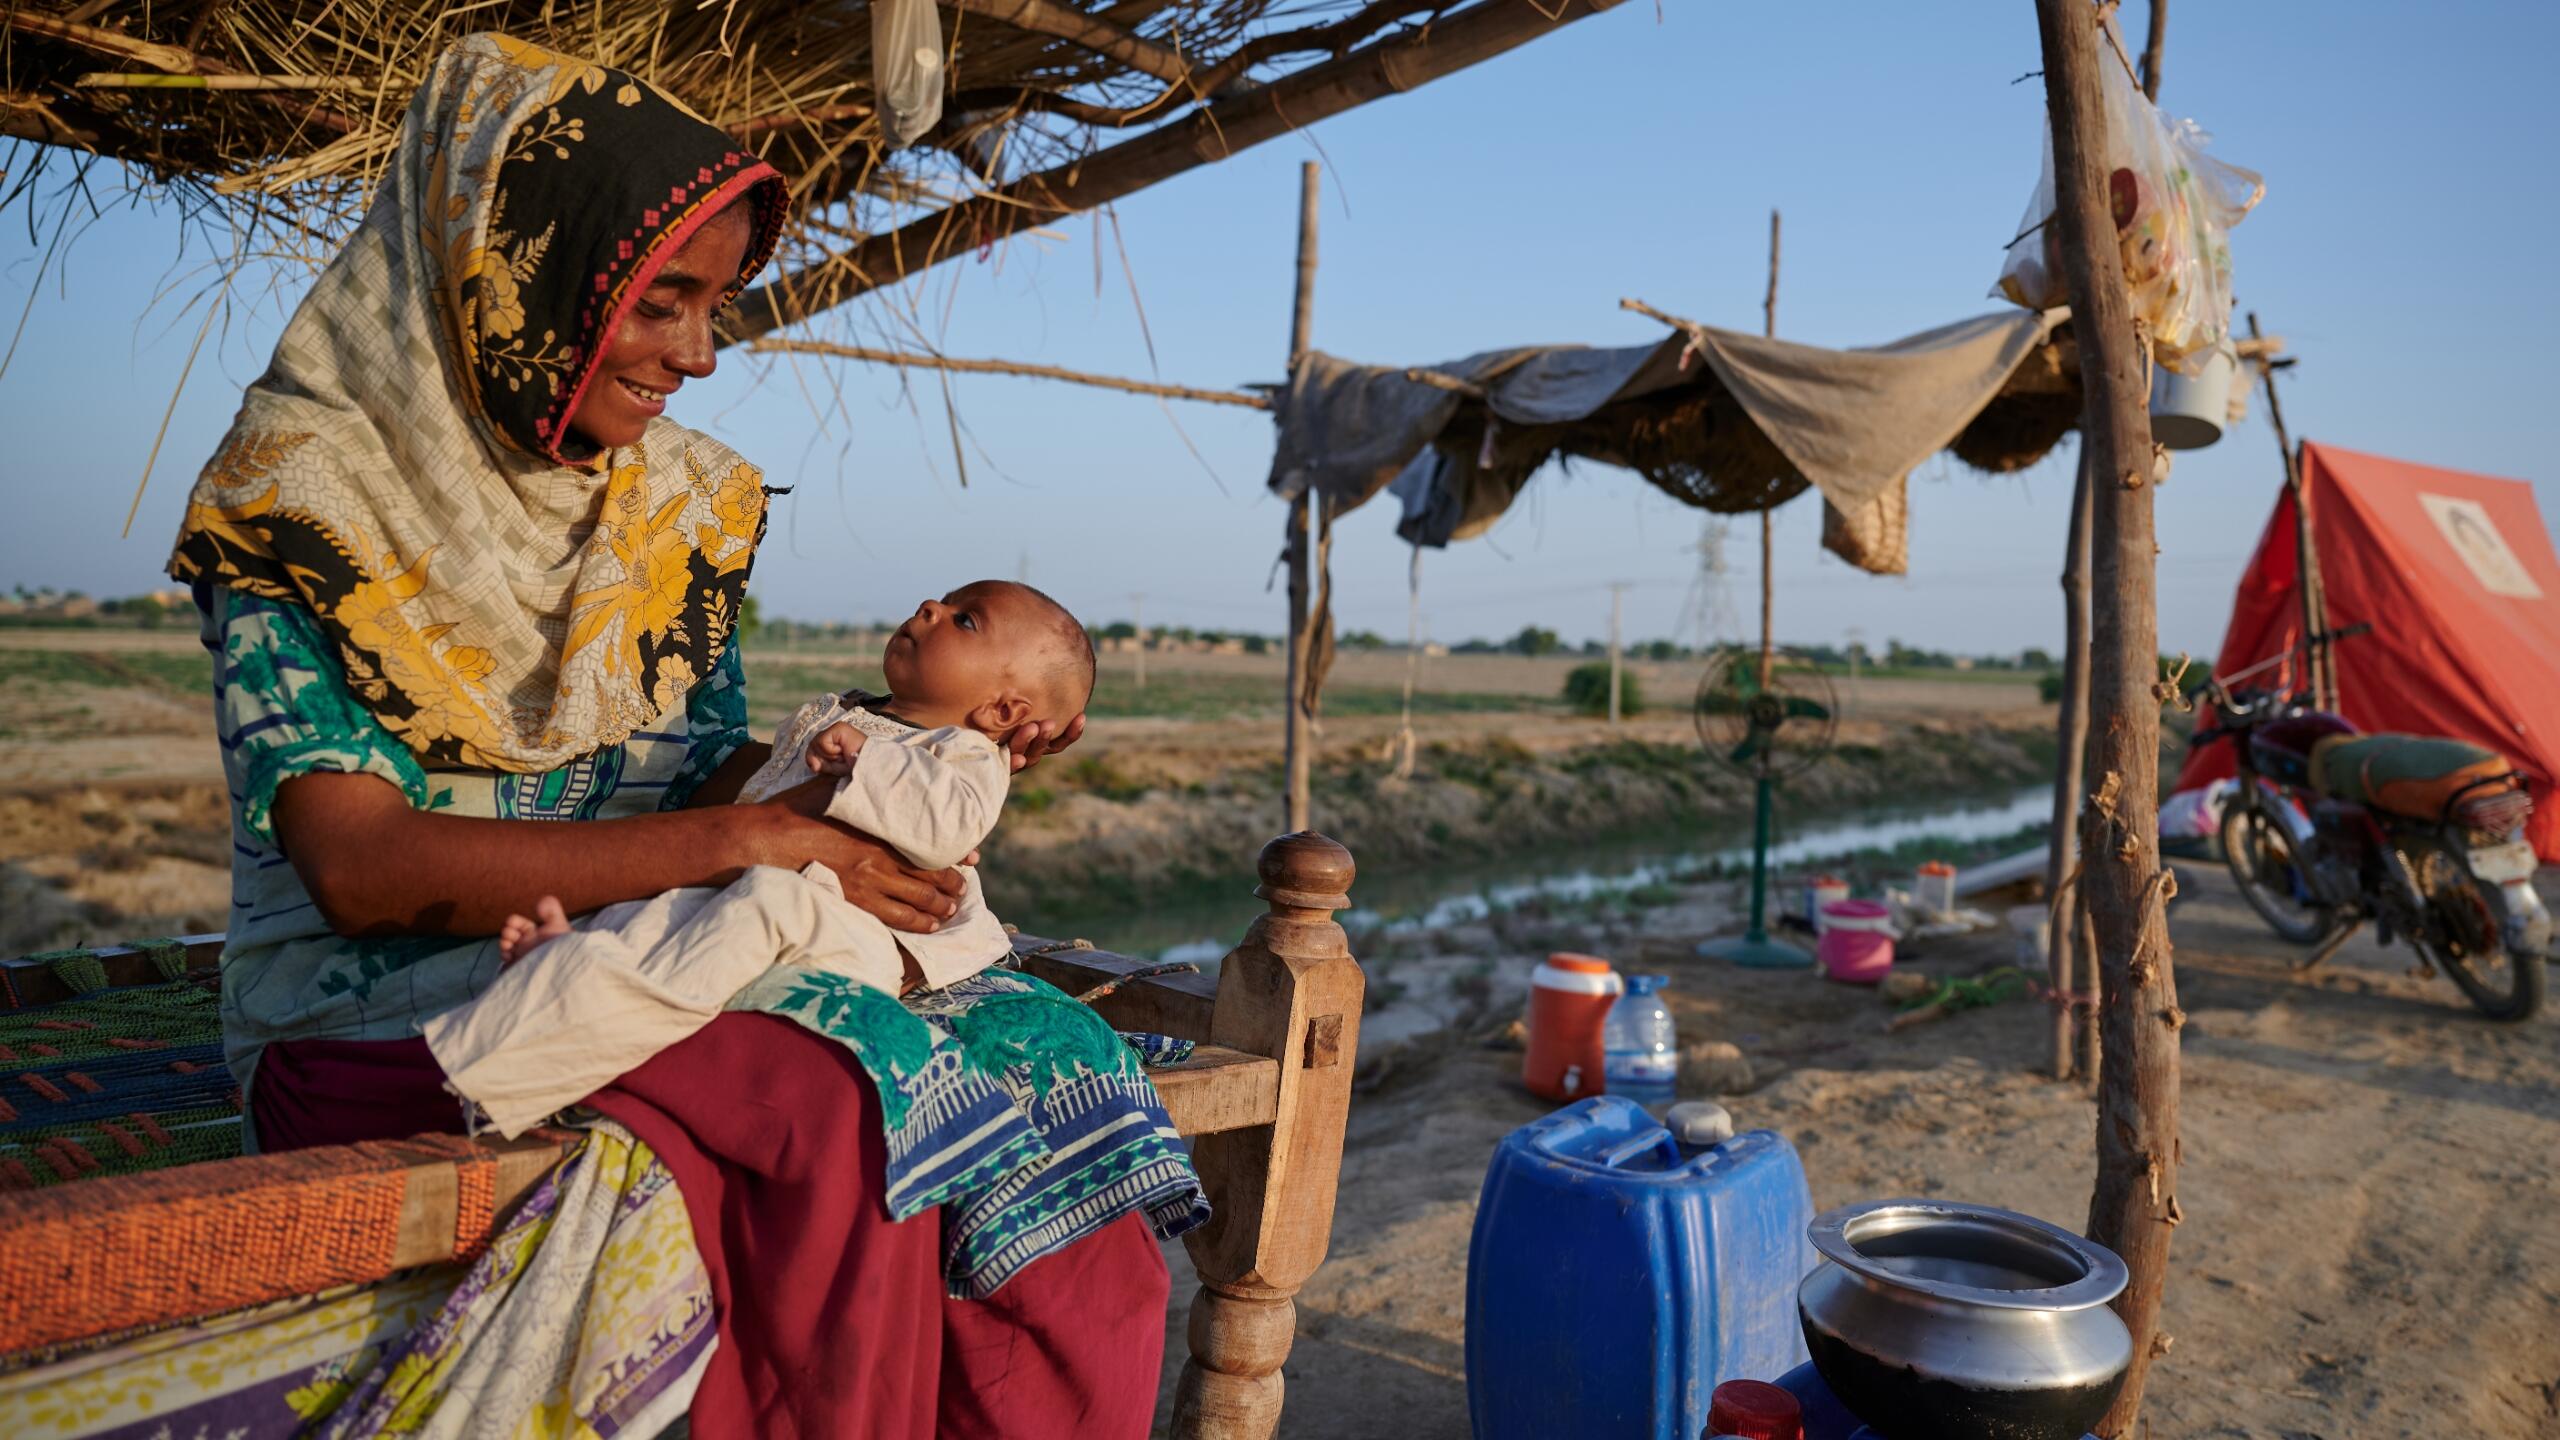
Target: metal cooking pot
(1933, 1320)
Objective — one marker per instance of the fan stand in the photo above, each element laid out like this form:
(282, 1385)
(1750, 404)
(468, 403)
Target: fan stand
(1753, 949)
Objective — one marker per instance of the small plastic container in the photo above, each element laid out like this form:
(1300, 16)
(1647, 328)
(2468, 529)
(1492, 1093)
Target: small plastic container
(1936, 890)
(1569, 1001)
(1857, 941)
(1640, 1044)
(1819, 891)
(1754, 1410)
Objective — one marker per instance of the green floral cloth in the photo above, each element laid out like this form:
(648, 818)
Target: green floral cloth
(282, 709)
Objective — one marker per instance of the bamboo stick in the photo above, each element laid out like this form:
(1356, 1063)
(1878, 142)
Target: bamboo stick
(2134, 1205)
(1092, 32)
(2067, 962)
(117, 80)
(908, 360)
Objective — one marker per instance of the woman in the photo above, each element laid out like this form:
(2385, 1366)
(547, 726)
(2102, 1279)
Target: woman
(463, 581)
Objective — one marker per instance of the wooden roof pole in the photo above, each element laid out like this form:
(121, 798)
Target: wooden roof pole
(1305, 518)
(2134, 1205)
(2067, 961)
(1399, 63)
(2317, 656)
(907, 359)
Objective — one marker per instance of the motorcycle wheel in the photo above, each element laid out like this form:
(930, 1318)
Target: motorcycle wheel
(2466, 938)
(2258, 847)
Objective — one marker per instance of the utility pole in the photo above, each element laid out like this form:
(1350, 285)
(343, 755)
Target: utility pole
(1138, 622)
(1857, 652)
(1304, 515)
(2133, 1208)
(1617, 608)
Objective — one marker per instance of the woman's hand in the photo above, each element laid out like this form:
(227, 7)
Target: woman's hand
(1032, 742)
(875, 878)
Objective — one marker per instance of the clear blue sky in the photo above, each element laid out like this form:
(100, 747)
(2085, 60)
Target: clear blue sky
(2404, 249)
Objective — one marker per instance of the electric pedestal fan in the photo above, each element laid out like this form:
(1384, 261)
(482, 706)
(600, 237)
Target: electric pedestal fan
(1767, 723)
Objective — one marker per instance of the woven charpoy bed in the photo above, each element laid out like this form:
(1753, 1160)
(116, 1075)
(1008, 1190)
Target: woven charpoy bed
(130, 1210)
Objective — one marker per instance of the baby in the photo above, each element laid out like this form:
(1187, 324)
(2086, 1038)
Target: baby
(922, 769)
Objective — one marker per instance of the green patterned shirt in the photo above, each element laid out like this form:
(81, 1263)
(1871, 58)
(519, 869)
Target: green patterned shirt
(282, 709)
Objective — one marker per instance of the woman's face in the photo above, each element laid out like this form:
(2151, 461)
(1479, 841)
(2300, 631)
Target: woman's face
(665, 338)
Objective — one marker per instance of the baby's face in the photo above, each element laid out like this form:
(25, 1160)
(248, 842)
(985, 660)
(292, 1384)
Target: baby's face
(966, 649)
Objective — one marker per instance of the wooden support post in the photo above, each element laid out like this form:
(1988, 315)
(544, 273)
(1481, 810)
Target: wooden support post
(1299, 743)
(2317, 658)
(2134, 1204)
(1290, 990)
(2067, 965)
(1768, 547)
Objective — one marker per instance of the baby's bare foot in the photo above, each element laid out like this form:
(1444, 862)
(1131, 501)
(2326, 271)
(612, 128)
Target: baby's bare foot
(518, 936)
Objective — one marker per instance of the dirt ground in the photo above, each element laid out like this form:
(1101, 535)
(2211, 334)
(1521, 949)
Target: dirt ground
(2368, 1249)
(2368, 1246)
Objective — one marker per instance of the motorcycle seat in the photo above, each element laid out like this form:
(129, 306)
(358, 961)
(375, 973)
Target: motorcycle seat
(2412, 775)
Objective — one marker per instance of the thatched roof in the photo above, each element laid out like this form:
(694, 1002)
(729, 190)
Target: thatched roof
(1049, 108)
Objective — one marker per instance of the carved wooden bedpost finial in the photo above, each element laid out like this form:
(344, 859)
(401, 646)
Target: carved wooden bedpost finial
(1305, 871)
(1292, 991)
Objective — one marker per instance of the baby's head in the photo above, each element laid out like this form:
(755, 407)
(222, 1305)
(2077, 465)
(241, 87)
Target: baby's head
(991, 656)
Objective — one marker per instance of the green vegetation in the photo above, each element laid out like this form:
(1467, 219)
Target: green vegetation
(183, 673)
(1586, 689)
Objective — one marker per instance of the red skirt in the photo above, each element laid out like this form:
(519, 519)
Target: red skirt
(773, 1135)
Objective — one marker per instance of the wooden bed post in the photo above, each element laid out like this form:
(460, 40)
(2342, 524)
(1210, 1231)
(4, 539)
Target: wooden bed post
(1290, 990)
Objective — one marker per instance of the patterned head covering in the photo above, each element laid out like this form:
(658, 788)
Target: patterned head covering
(502, 597)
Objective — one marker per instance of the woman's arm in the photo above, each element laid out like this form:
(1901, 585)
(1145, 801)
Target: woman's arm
(376, 866)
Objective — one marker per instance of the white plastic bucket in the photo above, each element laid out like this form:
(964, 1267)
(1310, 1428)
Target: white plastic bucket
(2188, 412)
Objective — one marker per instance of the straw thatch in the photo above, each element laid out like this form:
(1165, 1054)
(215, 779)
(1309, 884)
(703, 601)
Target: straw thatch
(283, 112)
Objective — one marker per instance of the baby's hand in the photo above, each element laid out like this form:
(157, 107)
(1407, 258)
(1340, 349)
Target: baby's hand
(833, 751)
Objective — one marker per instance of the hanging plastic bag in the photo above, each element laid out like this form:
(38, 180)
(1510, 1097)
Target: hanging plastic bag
(2173, 207)
(906, 66)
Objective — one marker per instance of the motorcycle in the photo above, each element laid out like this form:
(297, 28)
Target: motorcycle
(2329, 828)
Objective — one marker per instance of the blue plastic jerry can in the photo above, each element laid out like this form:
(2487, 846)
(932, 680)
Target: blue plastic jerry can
(1614, 1277)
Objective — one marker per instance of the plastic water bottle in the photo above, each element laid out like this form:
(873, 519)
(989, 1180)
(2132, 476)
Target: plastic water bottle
(1641, 1051)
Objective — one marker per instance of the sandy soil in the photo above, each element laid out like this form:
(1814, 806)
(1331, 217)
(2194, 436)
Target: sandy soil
(2368, 1248)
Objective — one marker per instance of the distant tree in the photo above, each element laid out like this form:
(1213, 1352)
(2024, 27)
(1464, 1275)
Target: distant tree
(1257, 645)
(1586, 689)
(1363, 640)
(750, 618)
(1477, 646)
(1594, 647)
(1119, 630)
(147, 610)
(1662, 650)
(1533, 640)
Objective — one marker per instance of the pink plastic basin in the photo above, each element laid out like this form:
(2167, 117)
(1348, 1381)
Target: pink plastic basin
(1857, 944)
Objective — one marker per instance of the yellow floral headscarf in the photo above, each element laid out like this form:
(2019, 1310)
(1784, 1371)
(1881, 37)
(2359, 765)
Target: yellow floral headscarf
(404, 468)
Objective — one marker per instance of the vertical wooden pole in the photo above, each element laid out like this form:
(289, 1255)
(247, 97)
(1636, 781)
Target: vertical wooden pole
(2306, 547)
(2065, 964)
(1299, 744)
(1617, 608)
(2134, 1204)
(2151, 48)
(1291, 990)
(1768, 584)
(1138, 622)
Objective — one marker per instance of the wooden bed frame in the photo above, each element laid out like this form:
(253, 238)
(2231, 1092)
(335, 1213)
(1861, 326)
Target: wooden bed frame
(1264, 1098)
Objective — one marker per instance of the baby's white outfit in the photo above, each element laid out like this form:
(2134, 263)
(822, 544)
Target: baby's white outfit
(636, 977)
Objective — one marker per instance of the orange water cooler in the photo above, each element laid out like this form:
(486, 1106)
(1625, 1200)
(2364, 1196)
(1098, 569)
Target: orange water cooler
(1569, 1000)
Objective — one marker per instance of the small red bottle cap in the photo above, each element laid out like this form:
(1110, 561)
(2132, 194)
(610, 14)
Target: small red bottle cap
(1754, 1410)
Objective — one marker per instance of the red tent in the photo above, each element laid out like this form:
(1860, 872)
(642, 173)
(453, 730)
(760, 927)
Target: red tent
(2457, 576)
